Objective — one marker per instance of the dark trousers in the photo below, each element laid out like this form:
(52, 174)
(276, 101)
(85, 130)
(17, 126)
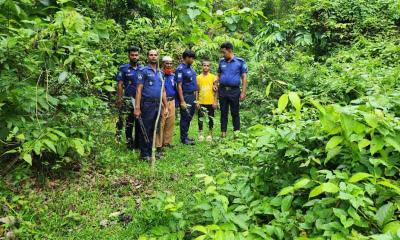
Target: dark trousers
(149, 117)
(187, 115)
(131, 123)
(210, 112)
(229, 99)
(125, 114)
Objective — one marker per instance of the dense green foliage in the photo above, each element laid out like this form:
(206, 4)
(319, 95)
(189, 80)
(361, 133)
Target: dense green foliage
(320, 157)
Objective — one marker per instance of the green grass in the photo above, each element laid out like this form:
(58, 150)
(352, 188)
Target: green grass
(114, 179)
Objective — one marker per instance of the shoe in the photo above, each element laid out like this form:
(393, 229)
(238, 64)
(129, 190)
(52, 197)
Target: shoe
(130, 144)
(201, 138)
(168, 145)
(190, 139)
(146, 159)
(117, 138)
(159, 152)
(209, 138)
(188, 142)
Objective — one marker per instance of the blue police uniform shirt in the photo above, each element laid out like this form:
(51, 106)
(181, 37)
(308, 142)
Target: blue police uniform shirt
(231, 72)
(129, 77)
(151, 81)
(187, 76)
(169, 84)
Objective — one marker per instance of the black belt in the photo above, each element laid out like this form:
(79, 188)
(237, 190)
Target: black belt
(227, 88)
(170, 98)
(188, 93)
(145, 99)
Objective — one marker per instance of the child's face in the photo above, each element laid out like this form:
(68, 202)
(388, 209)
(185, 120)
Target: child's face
(206, 66)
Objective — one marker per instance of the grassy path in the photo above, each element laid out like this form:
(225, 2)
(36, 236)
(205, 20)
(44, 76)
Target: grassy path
(113, 182)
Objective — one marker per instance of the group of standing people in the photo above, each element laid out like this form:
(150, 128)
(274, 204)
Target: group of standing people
(150, 94)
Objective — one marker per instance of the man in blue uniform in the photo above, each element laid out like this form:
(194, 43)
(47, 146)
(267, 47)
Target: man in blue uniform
(149, 90)
(231, 71)
(185, 76)
(127, 82)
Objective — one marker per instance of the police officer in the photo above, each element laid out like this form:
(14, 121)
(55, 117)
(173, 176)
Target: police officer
(187, 90)
(167, 123)
(148, 94)
(231, 71)
(127, 80)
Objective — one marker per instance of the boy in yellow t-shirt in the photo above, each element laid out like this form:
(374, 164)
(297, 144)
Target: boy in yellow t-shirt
(206, 101)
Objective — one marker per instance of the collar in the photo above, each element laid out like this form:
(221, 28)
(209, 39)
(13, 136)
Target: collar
(187, 65)
(132, 67)
(150, 68)
(232, 60)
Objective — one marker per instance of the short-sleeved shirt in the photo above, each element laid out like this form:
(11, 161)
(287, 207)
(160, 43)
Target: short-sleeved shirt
(187, 76)
(231, 71)
(128, 74)
(170, 84)
(206, 92)
(151, 81)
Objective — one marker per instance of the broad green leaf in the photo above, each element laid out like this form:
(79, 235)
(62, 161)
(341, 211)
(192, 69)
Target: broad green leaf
(286, 190)
(376, 144)
(359, 176)
(325, 187)
(202, 237)
(109, 88)
(59, 133)
(221, 235)
(79, 147)
(240, 220)
(50, 145)
(332, 153)
(282, 102)
(28, 158)
(286, 203)
(363, 143)
(259, 232)
(392, 227)
(333, 142)
(20, 136)
(268, 89)
(318, 106)
(67, 61)
(371, 119)
(301, 183)
(385, 214)
(52, 136)
(394, 142)
(200, 228)
(37, 147)
(295, 100)
(388, 184)
(350, 125)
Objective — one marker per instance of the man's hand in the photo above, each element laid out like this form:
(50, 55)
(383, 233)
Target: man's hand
(137, 112)
(215, 105)
(197, 105)
(184, 105)
(242, 96)
(215, 87)
(118, 103)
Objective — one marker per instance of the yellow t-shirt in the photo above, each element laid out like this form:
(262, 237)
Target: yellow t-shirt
(205, 84)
